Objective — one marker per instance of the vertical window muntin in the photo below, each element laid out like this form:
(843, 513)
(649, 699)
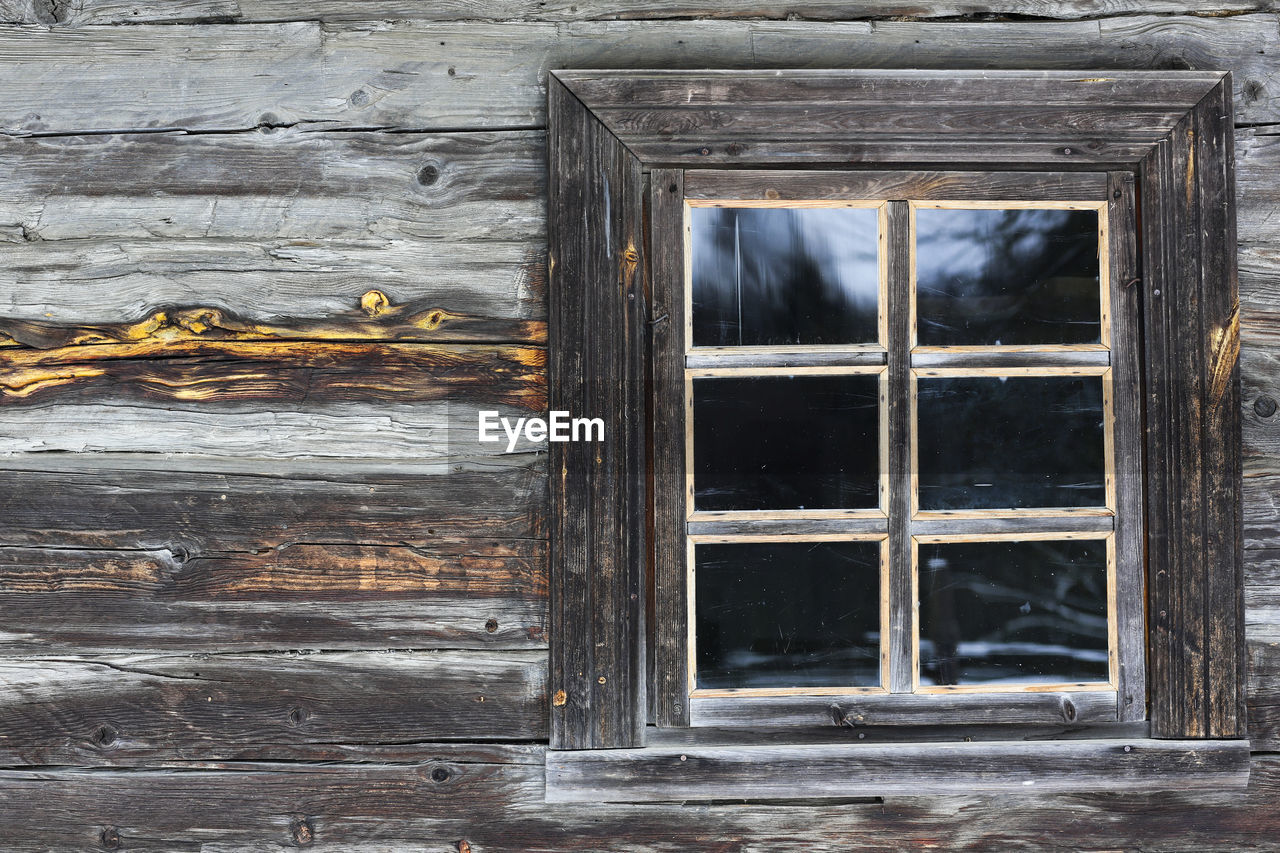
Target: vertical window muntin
(1050, 359)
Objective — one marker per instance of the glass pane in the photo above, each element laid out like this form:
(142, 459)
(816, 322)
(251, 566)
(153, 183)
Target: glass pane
(778, 276)
(991, 277)
(786, 442)
(788, 614)
(1013, 612)
(1001, 442)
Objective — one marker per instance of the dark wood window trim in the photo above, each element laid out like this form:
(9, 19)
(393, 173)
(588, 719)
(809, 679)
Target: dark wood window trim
(619, 139)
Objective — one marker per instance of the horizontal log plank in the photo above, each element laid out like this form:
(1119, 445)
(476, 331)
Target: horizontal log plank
(266, 399)
(87, 12)
(693, 773)
(177, 503)
(89, 710)
(402, 76)
(154, 369)
(446, 594)
(102, 290)
(283, 183)
(490, 799)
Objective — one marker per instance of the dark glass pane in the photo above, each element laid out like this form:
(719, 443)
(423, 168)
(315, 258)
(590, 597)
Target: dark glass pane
(990, 277)
(788, 614)
(1031, 611)
(777, 276)
(786, 442)
(1010, 442)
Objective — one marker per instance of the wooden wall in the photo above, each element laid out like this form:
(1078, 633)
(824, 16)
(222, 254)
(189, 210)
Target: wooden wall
(260, 264)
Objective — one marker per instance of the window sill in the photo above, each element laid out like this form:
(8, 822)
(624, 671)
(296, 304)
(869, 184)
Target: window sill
(691, 773)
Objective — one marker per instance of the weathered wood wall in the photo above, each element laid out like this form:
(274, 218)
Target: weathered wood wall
(260, 264)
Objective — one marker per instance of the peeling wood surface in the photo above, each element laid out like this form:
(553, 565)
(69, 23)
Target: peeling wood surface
(254, 453)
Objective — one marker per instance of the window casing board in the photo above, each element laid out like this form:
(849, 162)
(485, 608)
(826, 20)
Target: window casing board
(627, 149)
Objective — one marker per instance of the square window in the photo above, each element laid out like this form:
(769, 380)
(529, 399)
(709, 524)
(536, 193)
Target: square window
(772, 616)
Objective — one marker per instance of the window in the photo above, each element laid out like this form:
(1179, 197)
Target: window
(1075, 453)
(1001, 585)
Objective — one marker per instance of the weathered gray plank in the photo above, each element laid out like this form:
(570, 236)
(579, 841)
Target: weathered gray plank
(89, 710)
(443, 594)
(179, 503)
(85, 12)
(27, 12)
(274, 183)
(490, 798)
(693, 773)
(492, 75)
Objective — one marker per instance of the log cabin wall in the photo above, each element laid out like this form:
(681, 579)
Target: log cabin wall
(261, 262)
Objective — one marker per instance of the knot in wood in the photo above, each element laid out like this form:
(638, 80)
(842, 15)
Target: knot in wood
(374, 302)
(559, 699)
(303, 833)
(109, 838)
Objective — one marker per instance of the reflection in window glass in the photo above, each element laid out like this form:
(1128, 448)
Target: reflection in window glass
(1010, 612)
(993, 277)
(1005, 442)
(786, 442)
(787, 614)
(779, 276)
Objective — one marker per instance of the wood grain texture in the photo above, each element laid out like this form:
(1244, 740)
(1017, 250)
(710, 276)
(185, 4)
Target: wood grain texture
(101, 710)
(761, 119)
(1193, 455)
(904, 709)
(155, 369)
(597, 364)
(285, 183)
(260, 807)
(273, 228)
(266, 399)
(99, 265)
(92, 12)
(397, 75)
(464, 593)
(693, 773)
(670, 629)
(185, 505)
(891, 185)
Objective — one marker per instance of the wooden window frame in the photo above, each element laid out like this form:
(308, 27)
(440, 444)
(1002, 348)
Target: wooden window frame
(620, 143)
